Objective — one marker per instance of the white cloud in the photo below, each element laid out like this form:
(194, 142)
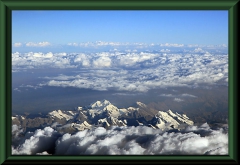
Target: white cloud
(16, 130)
(100, 80)
(62, 77)
(16, 89)
(188, 95)
(102, 62)
(44, 44)
(39, 44)
(28, 86)
(41, 60)
(17, 133)
(17, 44)
(37, 142)
(125, 94)
(139, 45)
(167, 95)
(181, 95)
(172, 45)
(43, 153)
(113, 44)
(198, 50)
(139, 140)
(131, 59)
(83, 59)
(129, 71)
(48, 55)
(73, 44)
(178, 100)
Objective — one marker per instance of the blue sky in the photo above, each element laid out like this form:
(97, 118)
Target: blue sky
(62, 27)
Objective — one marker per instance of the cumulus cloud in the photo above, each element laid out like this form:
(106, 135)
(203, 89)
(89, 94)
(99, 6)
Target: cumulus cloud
(82, 59)
(17, 44)
(17, 135)
(39, 44)
(16, 130)
(40, 60)
(132, 71)
(102, 62)
(38, 142)
(198, 50)
(134, 59)
(100, 80)
(139, 140)
(47, 55)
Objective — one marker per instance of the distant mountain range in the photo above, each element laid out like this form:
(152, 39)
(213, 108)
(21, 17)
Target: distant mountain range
(103, 114)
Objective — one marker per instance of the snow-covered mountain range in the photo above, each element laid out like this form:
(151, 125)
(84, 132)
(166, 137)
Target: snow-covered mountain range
(105, 114)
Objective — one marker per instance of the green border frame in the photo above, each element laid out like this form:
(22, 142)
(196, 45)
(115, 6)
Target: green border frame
(6, 6)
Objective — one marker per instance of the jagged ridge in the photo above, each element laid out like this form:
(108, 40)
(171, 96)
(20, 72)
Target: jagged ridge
(104, 114)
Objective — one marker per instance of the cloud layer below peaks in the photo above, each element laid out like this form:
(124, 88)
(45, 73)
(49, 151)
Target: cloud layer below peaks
(139, 140)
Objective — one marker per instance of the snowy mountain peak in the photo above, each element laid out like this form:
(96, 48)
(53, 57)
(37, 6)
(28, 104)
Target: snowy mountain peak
(61, 115)
(185, 116)
(106, 102)
(169, 119)
(110, 107)
(103, 113)
(171, 113)
(99, 104)
(141, 104)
